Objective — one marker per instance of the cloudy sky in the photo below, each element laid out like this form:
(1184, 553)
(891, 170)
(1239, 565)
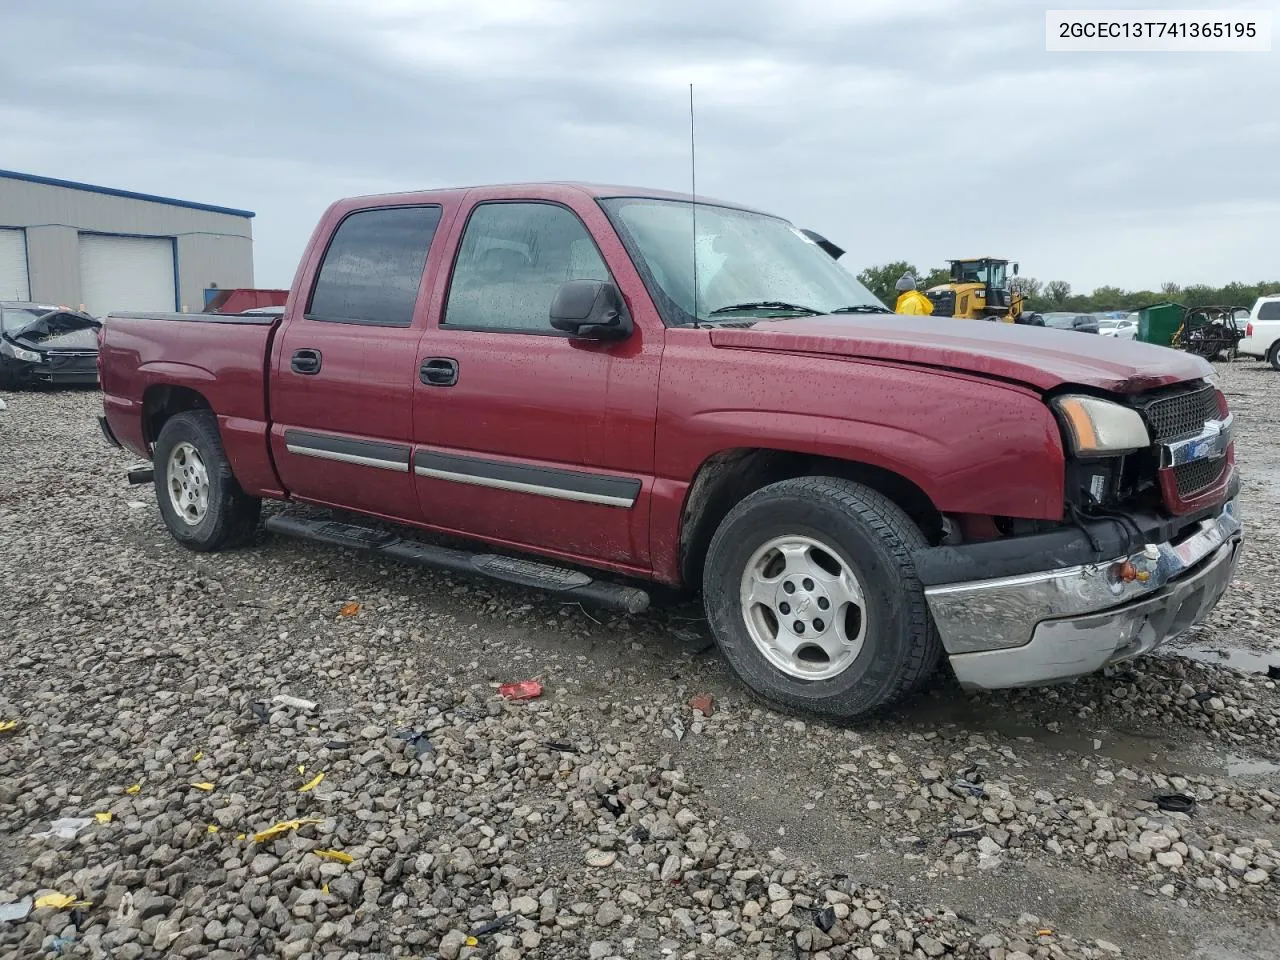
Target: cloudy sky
(902, 129)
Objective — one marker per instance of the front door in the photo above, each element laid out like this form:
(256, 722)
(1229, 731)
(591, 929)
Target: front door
(346, 365)
(523, 435)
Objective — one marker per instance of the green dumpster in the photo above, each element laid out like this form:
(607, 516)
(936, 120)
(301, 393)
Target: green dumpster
(1159, 322)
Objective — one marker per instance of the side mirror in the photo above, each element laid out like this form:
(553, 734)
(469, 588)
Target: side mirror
(590, 310)
(1015, 269)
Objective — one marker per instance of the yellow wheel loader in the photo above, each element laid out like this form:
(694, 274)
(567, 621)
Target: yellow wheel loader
(978, 290)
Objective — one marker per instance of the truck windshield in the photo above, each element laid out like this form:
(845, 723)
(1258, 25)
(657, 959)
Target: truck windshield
(750, 262)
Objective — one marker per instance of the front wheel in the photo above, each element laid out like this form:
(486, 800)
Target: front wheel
(200, 500)
(813, 599)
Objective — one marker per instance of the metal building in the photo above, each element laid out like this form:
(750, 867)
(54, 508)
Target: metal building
(74, 243)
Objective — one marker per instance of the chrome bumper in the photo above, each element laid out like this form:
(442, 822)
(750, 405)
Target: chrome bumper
(1058, 624)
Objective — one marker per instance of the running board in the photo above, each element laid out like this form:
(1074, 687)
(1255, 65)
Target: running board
(573, 585)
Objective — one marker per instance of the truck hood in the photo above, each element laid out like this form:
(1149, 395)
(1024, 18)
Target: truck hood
(1039, 357)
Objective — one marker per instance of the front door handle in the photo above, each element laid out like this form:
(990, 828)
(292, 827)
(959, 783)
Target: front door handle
(438, 372)
(306, 361)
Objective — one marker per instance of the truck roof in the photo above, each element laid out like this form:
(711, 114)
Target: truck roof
(553, 188)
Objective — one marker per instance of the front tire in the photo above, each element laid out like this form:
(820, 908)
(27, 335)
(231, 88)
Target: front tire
(812, 597)
(200, 500)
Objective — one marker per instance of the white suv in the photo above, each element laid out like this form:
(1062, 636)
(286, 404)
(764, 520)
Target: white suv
(1262, 332)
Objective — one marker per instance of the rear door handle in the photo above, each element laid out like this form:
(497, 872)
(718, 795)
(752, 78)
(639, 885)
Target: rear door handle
(438, 372)
(306, 361)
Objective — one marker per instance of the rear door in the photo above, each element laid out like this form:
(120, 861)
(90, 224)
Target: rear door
(346, 364)
(523, 435)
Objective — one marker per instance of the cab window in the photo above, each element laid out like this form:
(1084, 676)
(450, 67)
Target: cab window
(371, 271)
(512, 260)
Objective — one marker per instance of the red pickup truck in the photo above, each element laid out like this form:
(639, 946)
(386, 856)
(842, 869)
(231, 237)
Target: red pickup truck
(565, 371)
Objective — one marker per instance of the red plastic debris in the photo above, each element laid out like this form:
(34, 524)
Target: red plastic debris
(524, 690)
(704, 703)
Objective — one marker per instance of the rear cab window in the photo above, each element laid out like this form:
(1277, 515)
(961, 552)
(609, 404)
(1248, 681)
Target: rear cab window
(373, 267)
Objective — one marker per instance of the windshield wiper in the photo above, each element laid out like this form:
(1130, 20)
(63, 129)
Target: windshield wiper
(765, 305)
(862, 308)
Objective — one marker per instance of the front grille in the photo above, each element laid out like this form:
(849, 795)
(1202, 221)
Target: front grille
(69, 361)
(1194, 477)
(1178, 413)
(1184, 415)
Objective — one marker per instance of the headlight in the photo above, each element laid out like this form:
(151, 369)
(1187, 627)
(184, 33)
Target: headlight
(1099, 428)
(28, 356)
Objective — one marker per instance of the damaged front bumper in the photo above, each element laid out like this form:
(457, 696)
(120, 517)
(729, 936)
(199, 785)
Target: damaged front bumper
(1055, 624)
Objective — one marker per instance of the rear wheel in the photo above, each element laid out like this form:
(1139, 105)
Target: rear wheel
(200, 500)
(812, 597)
(1274, 356)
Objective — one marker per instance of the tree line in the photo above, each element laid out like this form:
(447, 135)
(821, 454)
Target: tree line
(1058, 295)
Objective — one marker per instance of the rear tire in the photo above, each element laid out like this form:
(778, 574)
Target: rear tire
(200, 500)
(1273, 357)
(812, 597)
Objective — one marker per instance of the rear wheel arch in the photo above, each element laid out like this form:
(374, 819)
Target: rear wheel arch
(161, 402)
(727, 477)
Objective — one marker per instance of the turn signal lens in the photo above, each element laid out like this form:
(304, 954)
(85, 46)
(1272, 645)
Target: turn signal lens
(1128, 572)
(1125, 572)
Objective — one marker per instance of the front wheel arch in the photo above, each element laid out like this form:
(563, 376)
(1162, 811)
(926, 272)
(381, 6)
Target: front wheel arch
(726, 478)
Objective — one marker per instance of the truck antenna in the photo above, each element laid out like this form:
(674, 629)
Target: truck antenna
(693, 206)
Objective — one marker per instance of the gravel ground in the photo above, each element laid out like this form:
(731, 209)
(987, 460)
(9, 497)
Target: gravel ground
(607, 818)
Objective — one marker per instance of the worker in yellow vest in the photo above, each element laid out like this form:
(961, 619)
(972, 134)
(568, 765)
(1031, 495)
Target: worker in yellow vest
(911, 300)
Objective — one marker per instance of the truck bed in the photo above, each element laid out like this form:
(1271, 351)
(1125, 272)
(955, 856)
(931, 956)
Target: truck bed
(224, 358)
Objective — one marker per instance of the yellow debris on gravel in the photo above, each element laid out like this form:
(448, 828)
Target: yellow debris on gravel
(284, 826)
(55, 901)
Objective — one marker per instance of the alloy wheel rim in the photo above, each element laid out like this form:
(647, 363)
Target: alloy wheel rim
(188, 482)
(804, 607)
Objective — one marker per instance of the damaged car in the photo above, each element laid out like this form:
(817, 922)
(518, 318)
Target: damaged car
(43, 344)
